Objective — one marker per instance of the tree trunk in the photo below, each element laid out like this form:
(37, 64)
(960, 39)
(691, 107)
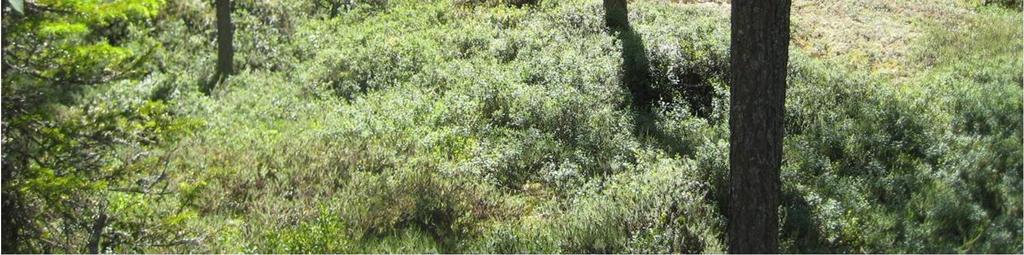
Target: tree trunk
(759, 55)
(97, 232)
(225, 38)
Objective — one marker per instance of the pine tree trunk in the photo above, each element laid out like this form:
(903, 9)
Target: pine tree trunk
(759, 52)
(225, 38)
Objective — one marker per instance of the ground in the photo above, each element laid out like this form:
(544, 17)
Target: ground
(463, 126)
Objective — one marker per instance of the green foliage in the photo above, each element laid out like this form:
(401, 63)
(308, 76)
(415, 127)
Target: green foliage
(915, 168)
(1011, 4)
(79, 150)
(71, 41)
(409, 126)
(82, 162)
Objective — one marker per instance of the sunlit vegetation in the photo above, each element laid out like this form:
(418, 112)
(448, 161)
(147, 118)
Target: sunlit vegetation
(499, 126)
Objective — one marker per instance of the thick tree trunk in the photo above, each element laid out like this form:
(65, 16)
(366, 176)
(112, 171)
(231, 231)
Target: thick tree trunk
(225, 39)
(759, 52)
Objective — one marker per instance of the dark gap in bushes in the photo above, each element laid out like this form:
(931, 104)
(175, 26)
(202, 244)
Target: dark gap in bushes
(800, 228)
(694, 90)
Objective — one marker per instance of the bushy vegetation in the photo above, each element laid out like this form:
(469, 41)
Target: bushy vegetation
(491, 126)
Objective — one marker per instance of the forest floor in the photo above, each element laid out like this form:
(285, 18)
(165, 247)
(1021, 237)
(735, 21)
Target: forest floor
(432, 127)
(462, 126)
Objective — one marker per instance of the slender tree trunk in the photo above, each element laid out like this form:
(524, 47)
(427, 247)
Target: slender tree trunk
(225, 40)
(97, 232)
(759, 52)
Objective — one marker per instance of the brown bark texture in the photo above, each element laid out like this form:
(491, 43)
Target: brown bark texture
(759, 56)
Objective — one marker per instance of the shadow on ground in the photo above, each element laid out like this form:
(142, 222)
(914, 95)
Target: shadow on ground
(637, 78)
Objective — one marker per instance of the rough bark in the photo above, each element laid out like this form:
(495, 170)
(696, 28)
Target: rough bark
(225, 39)
(759, 55)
